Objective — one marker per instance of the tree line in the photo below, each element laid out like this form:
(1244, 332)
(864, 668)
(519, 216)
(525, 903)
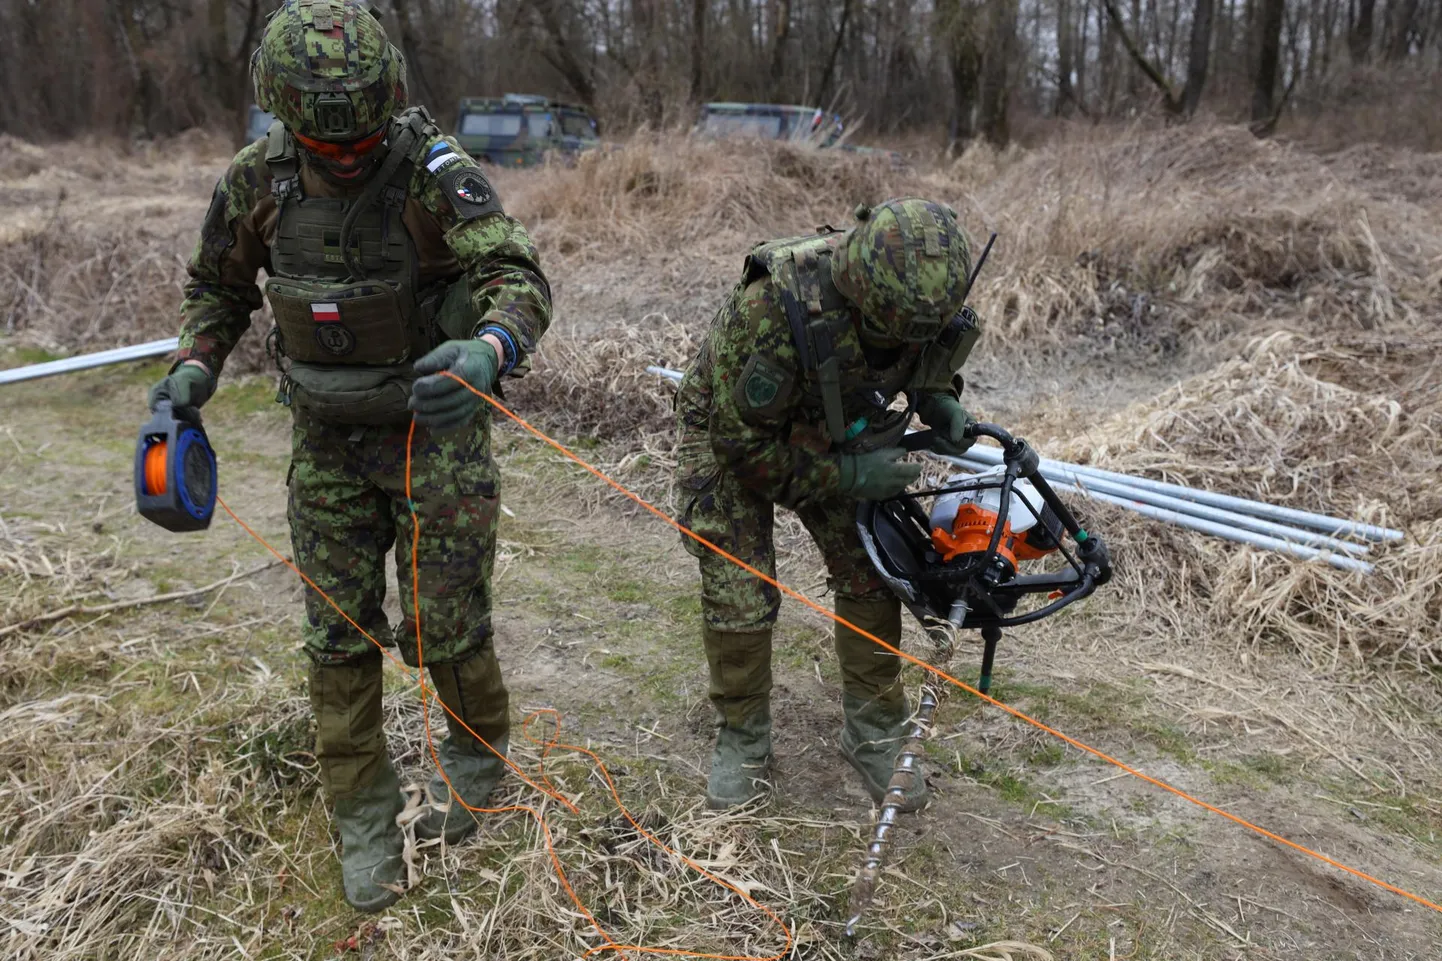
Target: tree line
(960, 69)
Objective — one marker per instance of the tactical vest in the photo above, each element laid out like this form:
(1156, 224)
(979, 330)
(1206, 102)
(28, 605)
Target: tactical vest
(349, 315)
(822, 328)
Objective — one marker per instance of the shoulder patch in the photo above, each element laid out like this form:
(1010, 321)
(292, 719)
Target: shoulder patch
(763, 387)
(468, 190)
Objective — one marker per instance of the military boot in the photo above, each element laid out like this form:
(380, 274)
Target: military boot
(473, 690)
(741, 693)
(872, 697)
(358, 776)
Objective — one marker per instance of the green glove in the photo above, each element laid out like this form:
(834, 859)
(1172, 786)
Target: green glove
(949, 422)
(186, 386)
(441, 403)
(877, 475)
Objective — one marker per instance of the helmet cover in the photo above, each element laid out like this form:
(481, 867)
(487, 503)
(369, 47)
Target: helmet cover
(327, 71)
(905, 267)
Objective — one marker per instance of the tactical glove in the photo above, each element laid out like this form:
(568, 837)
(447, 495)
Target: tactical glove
(877, 475)
(441, 403)
(949, 423)
(188, 385)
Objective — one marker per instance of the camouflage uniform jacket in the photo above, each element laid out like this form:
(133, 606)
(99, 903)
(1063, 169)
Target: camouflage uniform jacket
(749, 405)
(494, 252)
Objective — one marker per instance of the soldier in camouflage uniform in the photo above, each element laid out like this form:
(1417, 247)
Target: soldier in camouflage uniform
(787, 403)
(389, 260)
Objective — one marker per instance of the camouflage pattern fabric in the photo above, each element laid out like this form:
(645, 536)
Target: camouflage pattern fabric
(747, 406)
(739, 521)
(905, 265)
(751, 438)
(494, 252)
(347, 493)
(316, 53)
(347, 508)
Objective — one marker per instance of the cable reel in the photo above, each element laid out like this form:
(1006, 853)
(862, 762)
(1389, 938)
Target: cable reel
(175, 470)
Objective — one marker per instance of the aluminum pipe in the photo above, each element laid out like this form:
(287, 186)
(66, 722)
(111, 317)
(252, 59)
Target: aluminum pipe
(155, 348)
(1070, 478)
(1201, 525)
(1331, 526)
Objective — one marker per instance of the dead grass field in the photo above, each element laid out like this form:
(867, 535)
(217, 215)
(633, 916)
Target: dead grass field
(1190, 303)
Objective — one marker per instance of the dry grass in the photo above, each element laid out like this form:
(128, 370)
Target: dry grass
(1351, 430)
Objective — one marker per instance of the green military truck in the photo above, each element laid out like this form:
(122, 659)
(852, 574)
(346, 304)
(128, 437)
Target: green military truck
(519, 130)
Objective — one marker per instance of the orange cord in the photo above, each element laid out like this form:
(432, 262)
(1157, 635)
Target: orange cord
(155, 480)
(553, 742)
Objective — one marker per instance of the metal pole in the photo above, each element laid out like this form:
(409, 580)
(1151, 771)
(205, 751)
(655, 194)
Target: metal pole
(155, 348)
(991, 636)
(1318, 522)
(665, 372)
(1242, 521)
(1191, 522)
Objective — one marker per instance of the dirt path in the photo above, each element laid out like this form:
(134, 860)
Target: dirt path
(158, 787)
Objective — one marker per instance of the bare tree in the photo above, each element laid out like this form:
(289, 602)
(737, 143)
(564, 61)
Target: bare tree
(151, 67)
(780, 33)
(698, 50)
(1269, 58)
(1185, 102)
(993, 121)
(1198, 53)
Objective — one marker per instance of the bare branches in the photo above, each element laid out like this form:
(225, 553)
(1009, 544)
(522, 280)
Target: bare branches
(1170, 100)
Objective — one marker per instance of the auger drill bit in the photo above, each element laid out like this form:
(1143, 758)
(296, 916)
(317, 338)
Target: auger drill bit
(908, 766)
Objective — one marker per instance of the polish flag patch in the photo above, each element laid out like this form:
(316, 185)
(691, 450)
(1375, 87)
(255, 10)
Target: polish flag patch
(325, 313)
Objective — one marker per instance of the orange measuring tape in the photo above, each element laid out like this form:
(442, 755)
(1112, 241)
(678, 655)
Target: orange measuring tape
(553, 743)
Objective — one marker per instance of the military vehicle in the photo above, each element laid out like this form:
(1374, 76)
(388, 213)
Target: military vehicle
(775, 121)
(769, 121)
(257, 123)
(519, 130)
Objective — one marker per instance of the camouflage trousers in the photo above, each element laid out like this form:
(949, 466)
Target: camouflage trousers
(347, 509)
(739, 521)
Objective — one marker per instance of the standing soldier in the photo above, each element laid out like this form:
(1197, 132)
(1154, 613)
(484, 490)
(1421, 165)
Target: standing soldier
(389, 260)
(788, 402)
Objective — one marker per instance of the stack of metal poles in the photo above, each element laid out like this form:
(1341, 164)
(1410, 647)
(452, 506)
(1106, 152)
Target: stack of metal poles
(1340, 543)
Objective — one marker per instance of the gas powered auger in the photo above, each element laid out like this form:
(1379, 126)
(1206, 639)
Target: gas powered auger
(956, 565)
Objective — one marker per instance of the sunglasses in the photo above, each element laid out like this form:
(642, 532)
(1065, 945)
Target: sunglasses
(342, 151)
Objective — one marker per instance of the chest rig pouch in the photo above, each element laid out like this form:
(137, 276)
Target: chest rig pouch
(857, 417)
(344, 290)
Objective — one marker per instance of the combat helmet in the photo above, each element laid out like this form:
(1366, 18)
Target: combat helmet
(327, 71)
(905, 267)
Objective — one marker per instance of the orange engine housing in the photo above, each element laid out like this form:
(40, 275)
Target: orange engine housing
(971, 534)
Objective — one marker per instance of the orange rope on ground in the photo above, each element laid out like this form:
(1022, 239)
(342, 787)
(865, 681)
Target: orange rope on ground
(1178, 792)
(551, 743)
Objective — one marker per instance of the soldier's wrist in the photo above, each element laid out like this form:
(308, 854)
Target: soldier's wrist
(497, 346)
(507, 356)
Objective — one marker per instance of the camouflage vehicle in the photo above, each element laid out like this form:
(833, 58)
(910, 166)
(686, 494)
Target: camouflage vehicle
(257, 123)
(519, 130)
(774, 121)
